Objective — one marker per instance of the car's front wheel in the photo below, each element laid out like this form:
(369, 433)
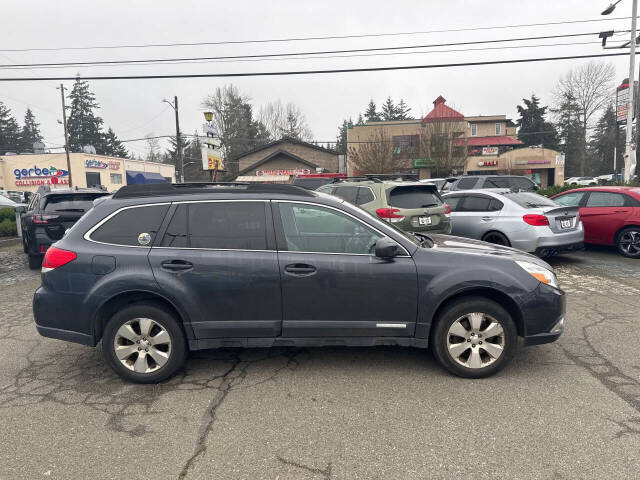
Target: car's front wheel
(474, 337)
(143, 343)
(628, 242)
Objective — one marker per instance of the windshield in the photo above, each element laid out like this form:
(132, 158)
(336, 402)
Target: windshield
(530, 200)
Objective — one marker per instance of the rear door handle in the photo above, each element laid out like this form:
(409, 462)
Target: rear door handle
(177, 265)
(620, 211)
(487, 219)
(300, 269)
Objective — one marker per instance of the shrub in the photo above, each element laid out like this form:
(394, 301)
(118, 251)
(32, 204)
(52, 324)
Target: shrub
(8, 228)
(551, 191)
(7, 213)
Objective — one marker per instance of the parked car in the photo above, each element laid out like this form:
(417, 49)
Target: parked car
(7, 202)
(411, 206)
(313, 181)
(49, 214)
(584, 181)
(473, 182)
(157, 270)
(523, 220)
(611, 215)
(438, 182)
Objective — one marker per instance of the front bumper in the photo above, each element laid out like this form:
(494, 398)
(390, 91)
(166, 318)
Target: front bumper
(544, 315)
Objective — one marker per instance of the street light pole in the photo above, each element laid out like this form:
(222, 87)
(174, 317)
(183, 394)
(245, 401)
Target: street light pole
(174, 105)
(628, 152)
(66, 133)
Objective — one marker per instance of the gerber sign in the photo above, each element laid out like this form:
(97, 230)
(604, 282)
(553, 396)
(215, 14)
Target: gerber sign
(40, 176)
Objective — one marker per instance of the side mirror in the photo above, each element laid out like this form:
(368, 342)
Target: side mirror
(536, 187)
(387, 248)
(20, 209)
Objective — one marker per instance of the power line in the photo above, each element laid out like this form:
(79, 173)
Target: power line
(293, 54)
(301, 39)
(309, 72)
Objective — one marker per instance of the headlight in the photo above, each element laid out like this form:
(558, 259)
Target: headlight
(540, 273)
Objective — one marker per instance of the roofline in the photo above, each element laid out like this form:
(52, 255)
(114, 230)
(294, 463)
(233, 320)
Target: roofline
(286, 140)
(273, 154)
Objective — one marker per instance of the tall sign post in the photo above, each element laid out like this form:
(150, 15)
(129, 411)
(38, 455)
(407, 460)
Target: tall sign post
(211, 153)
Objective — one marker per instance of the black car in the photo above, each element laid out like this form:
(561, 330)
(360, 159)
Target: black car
(158, 270)
(51, 212)
(472, 182)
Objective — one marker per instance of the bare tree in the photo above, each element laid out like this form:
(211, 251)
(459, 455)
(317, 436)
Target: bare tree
(153, 148)
(591, 87)
(375, 155)
(284, 120)
(443, 140)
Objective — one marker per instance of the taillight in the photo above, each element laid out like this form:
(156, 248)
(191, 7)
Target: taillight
(447, 209)
(389, 214)
(57, 257)
(41, 219)
(536, 220)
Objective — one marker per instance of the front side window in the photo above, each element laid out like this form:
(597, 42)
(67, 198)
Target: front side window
(312, 228)
(605, 199)
(569, 199)
(218, 225)
(135, 226)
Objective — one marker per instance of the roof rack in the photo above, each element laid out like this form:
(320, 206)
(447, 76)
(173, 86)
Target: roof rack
(158, 189)
(362, 178)
(379, 177)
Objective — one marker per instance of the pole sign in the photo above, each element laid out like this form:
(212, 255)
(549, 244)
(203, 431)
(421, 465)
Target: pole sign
(622, 101)
(211, 158)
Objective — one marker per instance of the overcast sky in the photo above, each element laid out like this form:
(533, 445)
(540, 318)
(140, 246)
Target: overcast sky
(133, 107)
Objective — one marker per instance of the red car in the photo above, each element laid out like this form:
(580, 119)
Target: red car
(610, 216)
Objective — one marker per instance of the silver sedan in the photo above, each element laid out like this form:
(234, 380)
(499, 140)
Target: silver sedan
(523, 220)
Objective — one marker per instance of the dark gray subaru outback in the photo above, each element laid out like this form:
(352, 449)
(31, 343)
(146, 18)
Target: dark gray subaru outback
(157, 270)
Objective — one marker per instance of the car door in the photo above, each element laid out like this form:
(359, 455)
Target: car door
(604, 213)
(474, 216)
(332, 283)
(219, 258)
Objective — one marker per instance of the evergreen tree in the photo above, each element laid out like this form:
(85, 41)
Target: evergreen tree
(172, 153)
(84, 125)
(571, 132)
(532, 124)
(603, 143)
(388, 110)
(30, 132)
(402, 111)
(360, 120)
(371, 114)
(341, 138)
(193, 171)
(113, 146)
(9, 131)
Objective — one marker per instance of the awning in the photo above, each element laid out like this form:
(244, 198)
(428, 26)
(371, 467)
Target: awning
(263, 178)
(137, 178)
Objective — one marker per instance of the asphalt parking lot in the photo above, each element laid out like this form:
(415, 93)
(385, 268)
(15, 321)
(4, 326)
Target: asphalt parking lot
(563, 411)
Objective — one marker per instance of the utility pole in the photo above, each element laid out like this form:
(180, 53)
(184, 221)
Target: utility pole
(628, 152)
(66, 134)
(174, 105)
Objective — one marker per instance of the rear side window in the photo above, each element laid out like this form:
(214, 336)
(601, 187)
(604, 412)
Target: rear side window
(218, 225)
(365, 195)
(137, 226)
(414, 196)
(524, 183)
(466, 183)
(77, 202)
(347, 193)
(453, 203)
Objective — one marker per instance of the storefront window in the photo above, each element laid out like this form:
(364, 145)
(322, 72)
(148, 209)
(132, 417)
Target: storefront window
(116, 178)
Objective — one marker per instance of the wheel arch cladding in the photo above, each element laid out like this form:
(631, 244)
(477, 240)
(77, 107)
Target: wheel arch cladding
(125, 299)
(501, 298)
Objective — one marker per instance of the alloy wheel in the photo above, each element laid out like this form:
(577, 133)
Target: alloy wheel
(142, 345)
(630, 242)
(475, 340)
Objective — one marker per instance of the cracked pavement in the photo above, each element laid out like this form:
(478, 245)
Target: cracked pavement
(564, 410)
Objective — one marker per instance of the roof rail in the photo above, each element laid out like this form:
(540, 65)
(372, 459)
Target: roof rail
(159, 189)
(392, 176)
(362, 178)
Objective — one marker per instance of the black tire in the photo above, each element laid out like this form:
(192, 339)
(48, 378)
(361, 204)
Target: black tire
(625, 248)
(496, 238)
(35, 261)
(24, 244)
(452, 314)
(178, 345)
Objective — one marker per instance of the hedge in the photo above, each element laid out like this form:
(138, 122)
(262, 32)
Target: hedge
(8, 222)
(551, 191)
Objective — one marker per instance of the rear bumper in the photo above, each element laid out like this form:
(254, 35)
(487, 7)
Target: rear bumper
(67, 335)
(535, 239)
(571, 247)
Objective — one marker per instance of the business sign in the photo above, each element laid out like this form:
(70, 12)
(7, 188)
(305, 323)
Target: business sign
(488, 163)
(489, 150)
(211, 158)
(424, 162)
(93, 163)
(622, 101)
(114, 165)
(533, 162)
(27, 177)
(284, 171)
(560, 160)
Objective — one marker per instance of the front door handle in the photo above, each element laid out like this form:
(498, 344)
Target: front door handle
(177, 265)
(300, 269)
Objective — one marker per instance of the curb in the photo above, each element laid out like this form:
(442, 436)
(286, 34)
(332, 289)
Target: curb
(10, 242)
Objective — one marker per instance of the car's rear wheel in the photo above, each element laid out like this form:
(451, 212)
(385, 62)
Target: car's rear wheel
(143, 343)
(474, 337)
(496, 238)
(628, 242)
(25, 248)
(35, 261)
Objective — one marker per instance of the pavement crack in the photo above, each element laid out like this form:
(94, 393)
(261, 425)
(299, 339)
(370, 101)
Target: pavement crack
(325, 472)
